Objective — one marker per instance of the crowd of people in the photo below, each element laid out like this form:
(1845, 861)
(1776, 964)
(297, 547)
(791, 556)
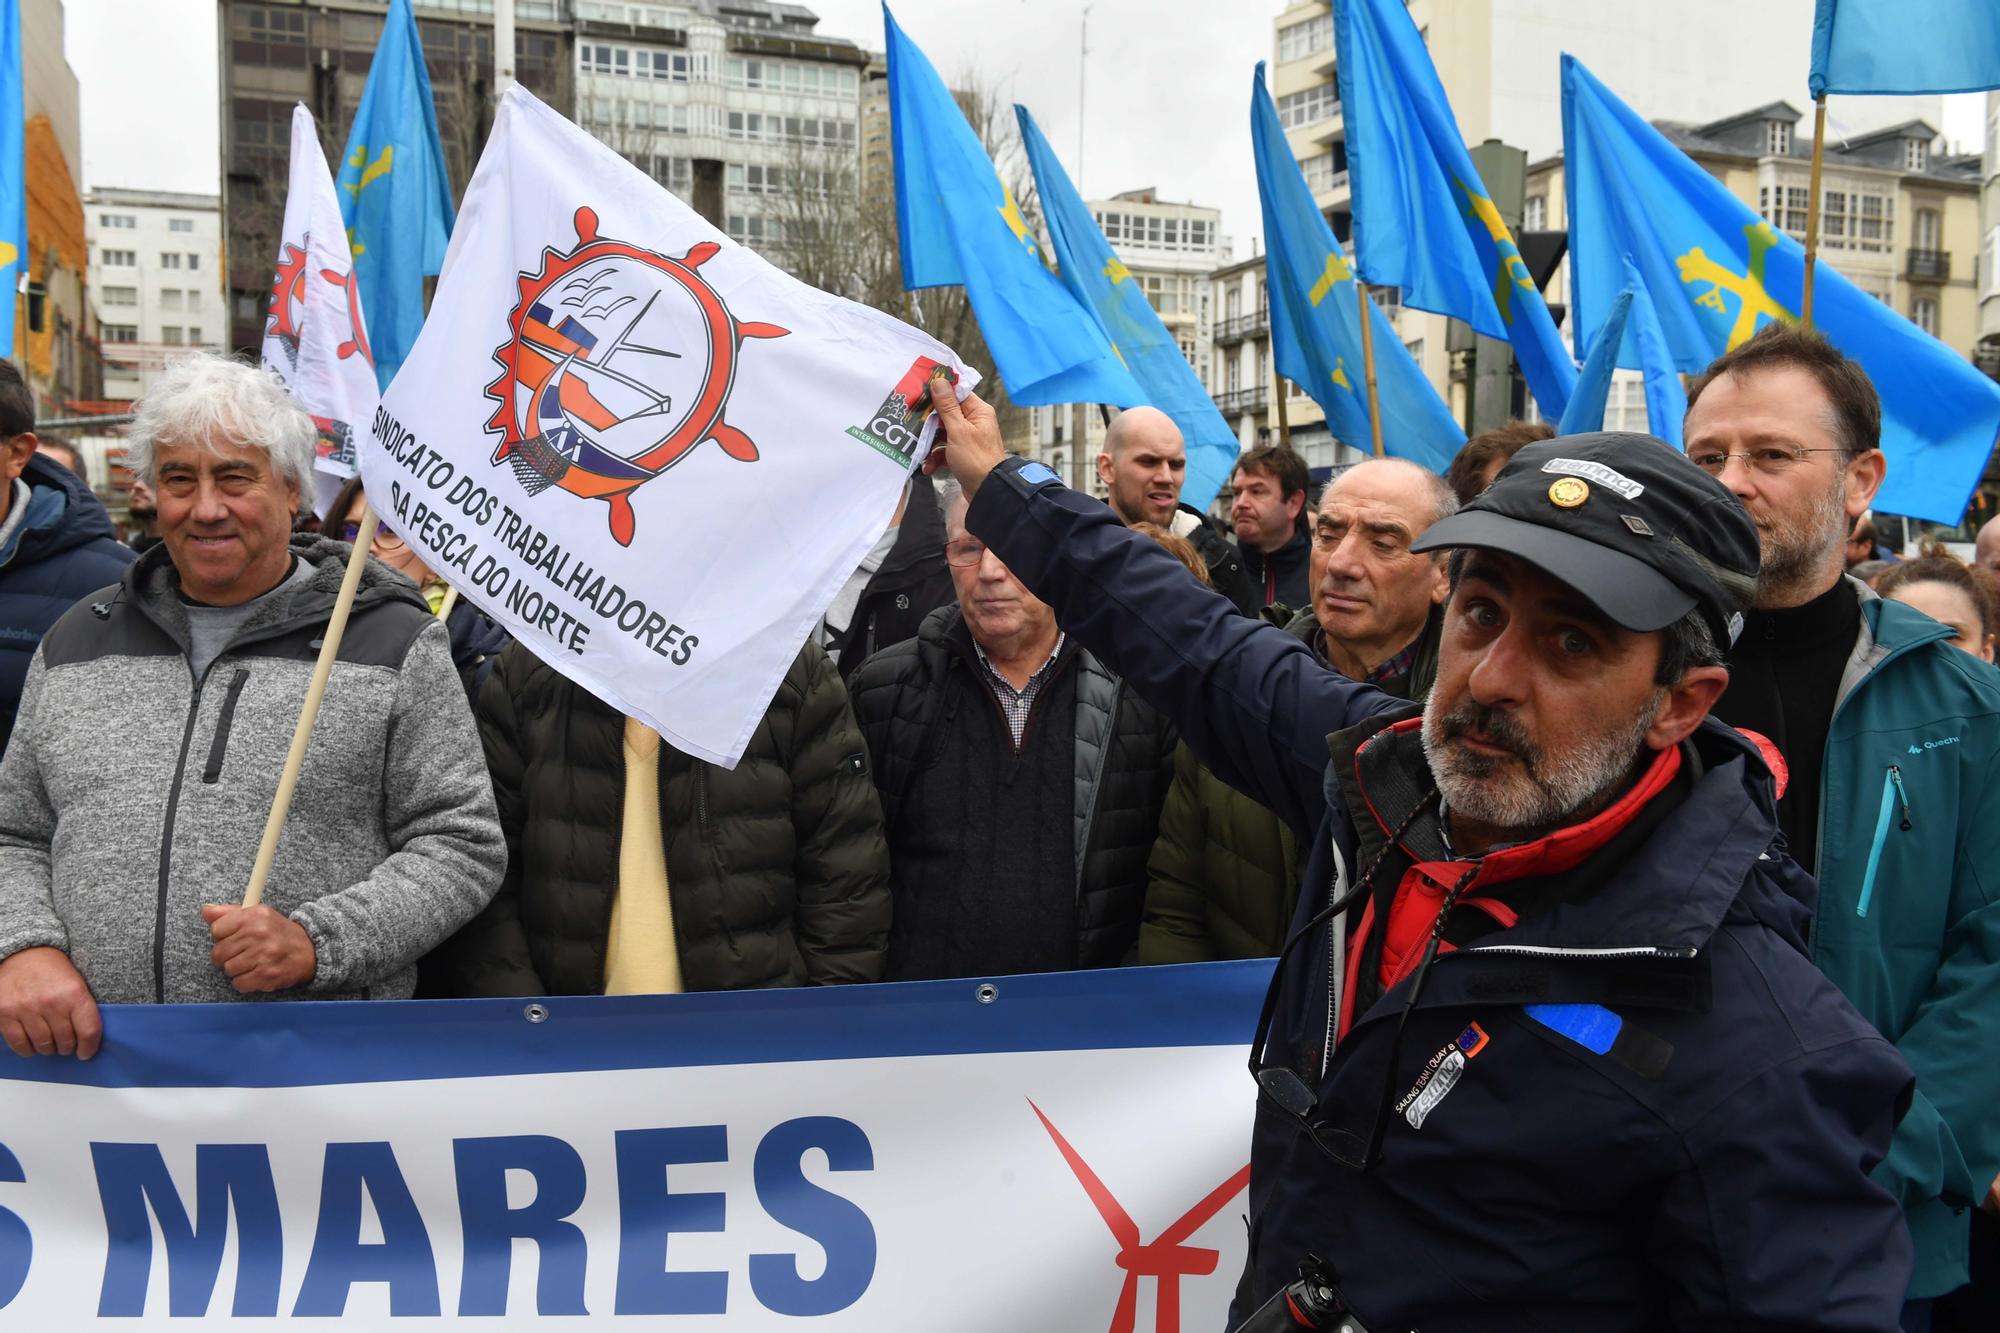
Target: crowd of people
(1651, 770)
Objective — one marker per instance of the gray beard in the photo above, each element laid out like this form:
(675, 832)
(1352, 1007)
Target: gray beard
(1795, 557)
(1550, 790)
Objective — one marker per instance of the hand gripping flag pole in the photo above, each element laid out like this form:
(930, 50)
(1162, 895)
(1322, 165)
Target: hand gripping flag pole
(288, 781)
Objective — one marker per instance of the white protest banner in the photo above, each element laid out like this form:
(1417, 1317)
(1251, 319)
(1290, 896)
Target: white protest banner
(313, 335)
(1064, 1152)
(646, 452)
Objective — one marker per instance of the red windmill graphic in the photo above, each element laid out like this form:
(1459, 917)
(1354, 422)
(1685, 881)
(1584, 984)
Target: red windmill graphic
(1167, 1259)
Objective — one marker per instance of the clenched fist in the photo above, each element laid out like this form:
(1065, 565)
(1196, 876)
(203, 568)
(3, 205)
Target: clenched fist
(259, 948)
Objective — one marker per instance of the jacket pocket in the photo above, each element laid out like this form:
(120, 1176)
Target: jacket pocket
(220, 745)
(1893, 797)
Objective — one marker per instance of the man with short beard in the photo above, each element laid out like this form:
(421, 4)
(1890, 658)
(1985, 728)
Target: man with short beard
(1889, 736)
(1544, 1048)
(1142, 469)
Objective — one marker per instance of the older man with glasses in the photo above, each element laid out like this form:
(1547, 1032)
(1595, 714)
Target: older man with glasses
(1543, 1048)
(998, 743)
(1889, 736)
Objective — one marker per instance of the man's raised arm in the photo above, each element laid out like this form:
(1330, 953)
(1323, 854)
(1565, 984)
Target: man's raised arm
(1249, 698)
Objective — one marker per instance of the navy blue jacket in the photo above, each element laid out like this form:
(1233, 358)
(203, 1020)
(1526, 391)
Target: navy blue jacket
(1708, 1170)
(64, 550)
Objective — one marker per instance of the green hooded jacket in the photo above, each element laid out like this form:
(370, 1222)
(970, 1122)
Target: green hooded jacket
(1909, 911)
(1224, 874)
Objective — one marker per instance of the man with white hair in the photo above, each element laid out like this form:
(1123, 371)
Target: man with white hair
(154, 725)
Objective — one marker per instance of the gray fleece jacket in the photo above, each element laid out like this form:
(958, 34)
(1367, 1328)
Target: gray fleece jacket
(132, 793)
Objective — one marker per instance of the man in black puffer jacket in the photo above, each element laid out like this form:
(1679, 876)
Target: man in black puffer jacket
(56, 543)
(1020, 780)
(773, 873)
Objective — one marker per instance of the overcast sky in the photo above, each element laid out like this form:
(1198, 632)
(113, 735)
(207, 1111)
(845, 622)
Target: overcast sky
(1167, 87)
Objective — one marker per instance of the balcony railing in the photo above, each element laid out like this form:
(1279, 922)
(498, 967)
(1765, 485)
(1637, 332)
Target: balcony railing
(1237, 401)
(1929, 265)
(1238, 327)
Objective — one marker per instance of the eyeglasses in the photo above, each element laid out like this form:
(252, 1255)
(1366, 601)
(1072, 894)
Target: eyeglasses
(349, 531)
(1770, 460)
(965, 552)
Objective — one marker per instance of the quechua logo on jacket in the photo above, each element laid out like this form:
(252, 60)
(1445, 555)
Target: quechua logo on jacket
(601, 387)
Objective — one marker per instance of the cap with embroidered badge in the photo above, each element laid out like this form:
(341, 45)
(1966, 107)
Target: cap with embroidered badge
(1626, 520)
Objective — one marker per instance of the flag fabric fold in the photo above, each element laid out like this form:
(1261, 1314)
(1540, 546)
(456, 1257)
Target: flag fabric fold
(395, 195)
(1101, 284)
(1316, 319)
(1715, 273)
(1423, 221)
(13, 173)
(314, 335)
(650, 455)
(1585, 413)
(1904, 46)
(959, 225)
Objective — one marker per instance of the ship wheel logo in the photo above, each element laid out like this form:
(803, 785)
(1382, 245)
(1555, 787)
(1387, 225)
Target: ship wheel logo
(288, 305)
(590, 398)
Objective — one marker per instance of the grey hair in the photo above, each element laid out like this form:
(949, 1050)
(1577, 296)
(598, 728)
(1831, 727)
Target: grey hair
(949, 493)
(207, 399)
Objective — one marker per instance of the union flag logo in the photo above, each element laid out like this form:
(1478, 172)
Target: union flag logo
(619, 362)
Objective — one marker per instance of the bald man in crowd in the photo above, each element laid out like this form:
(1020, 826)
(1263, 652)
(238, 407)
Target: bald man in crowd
(1143, 467)
(1986, 549)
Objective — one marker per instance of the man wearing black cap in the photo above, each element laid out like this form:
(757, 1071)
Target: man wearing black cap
(1544, 1049)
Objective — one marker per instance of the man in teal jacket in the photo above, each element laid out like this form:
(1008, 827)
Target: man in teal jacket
(1888, 739)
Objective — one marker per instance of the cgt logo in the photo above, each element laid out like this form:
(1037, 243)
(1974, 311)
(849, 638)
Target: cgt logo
(1166, 1259)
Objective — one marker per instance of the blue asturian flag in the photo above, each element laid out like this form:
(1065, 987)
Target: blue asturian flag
(1100, 282)
(1666, 400)
(1316, 320)
(1716, 272)
(1585, 412)
(395, 195)
(959, 225)
(13, 172)
(1423, 221)
(1904, 46)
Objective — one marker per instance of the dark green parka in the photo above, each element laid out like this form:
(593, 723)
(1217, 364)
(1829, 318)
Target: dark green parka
(778, 869)
(1224, 874)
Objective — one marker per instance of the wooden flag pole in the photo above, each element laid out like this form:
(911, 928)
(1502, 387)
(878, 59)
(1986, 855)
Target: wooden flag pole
(281, 805)
(450, 600)
(1812, 211)
(1284, 416)
(1368, 365)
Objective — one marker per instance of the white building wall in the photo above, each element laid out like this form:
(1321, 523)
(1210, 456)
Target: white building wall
(156, 280)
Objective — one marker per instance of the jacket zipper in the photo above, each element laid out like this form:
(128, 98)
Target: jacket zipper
(167, 848)
(1892, 795)
(1680, 951)
(219, 747)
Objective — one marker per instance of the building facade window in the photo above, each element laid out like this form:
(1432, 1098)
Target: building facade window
(180, 224)
(1778, 138)
(1308, 105)
(1306, 38)
(120, 259)
(1319, 172)
(792, 76)
(1928, 230)
(1535, 213)
(1916, 155)
(169, 259)
(120, 333)
(1989, 264)
(117, 221)
(1924, 314)
(170, 298)
(118, 296)
(171, 335)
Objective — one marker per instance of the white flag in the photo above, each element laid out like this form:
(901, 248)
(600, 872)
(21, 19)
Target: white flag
(313, 334)
(646, 452)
